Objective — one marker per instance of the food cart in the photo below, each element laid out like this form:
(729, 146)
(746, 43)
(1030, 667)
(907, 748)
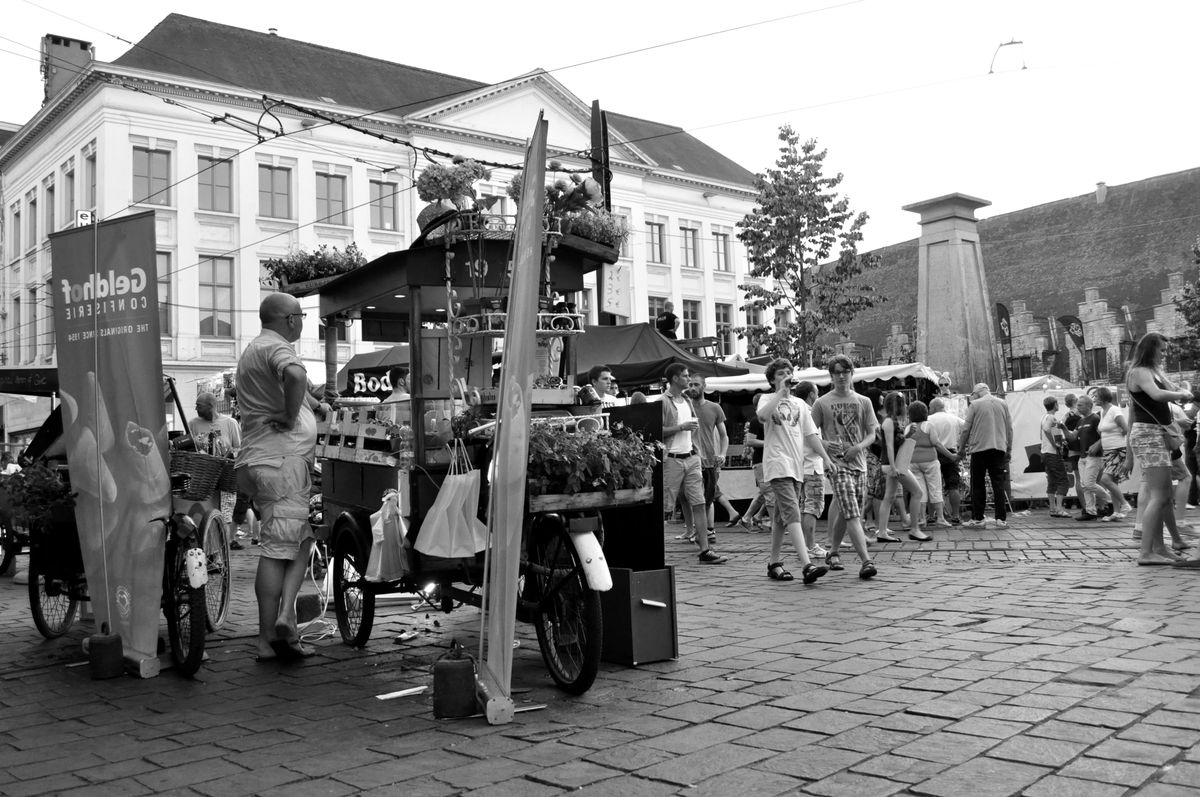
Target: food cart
(447, 298)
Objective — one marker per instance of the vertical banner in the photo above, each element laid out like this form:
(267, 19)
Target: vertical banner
(1004, 322)
(506, 506)
(104, 283)
(616, 289)
(1074, 329)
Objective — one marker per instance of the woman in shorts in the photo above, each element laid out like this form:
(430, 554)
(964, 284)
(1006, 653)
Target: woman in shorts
(1150, 395)
(1113, 432)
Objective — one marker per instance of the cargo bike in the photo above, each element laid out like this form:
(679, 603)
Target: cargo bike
(445, 297)
(196, 573)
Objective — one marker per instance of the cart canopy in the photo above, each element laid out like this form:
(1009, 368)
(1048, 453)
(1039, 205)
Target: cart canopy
(637, 355)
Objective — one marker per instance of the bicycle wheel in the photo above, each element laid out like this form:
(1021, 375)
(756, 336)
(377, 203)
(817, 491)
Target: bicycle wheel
(185, 609)
(567, 619)
(215, 535)
(353, 600)
(50, 603)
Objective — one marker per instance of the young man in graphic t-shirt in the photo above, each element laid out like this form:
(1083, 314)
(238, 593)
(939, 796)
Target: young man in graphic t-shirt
(847, 423)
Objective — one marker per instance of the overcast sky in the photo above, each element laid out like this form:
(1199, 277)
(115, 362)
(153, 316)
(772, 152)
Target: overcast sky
(898, 92)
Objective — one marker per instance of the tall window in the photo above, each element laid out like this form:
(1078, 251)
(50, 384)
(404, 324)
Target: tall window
(1022, 367)
(274, 192)
(625, 215)
(1097, 363)
(15, 215)
(31, 215)
(331, 198)
(215, 179)
(722, 253)
(48, 323)
(69, 191)
(383, 205)
(656, 244)
(216, 297)
(164, 293)
(691, 319)
(689, 244)
(781, 319)
(89, 184)
(31, 339)
(51, 221)
(16, 332)
(151, 176)
(655, 306)
(724, 320)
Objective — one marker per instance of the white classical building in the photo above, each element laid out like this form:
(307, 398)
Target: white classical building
(207, 125)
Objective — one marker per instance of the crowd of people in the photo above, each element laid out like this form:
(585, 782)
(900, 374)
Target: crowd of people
(894, 465)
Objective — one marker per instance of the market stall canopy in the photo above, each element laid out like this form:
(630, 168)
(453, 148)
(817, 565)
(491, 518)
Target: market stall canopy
(363, 374)
(1046, 382)
(637, 355)
(738, 361)
(752, 383)
(29, 381)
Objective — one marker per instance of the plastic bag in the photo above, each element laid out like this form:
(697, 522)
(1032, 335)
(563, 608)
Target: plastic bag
(451, 528)
(389, 556)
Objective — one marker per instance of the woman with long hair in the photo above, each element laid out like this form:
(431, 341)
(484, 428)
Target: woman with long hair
(897, 456)
(1150, 394)
(1113, 431)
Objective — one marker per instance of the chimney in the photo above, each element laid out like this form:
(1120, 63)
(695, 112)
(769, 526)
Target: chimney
(1101, 193)
(63, 60)
(272, 31)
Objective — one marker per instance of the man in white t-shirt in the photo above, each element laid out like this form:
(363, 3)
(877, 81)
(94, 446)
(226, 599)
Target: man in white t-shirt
(789, 432)
(945, 427)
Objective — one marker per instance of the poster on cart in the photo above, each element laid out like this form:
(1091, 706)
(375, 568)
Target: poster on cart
(105, 296)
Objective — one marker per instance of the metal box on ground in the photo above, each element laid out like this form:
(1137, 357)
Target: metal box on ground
(640, 625)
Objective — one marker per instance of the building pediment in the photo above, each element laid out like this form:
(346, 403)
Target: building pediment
(510, 109)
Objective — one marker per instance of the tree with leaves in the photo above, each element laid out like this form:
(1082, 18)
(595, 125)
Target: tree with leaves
(790, 239)
(1188, 304)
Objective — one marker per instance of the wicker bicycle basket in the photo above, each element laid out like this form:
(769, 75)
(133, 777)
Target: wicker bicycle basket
(205, 474)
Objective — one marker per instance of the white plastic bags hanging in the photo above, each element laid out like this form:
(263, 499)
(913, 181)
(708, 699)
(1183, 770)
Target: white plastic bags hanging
(389, 556)
(451, 528)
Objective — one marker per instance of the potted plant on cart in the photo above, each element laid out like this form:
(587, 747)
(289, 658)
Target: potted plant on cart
(450, 190)
(575, 207)
(301, 273)
(589, 468)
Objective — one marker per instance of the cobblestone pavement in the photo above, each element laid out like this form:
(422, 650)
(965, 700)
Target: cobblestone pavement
(1037, 660)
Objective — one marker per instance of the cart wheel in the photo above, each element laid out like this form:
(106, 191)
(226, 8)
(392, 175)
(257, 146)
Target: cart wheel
(353, 600)
(186, 617)
(8, 547)
(215, 536)
(51, 604)
(568, 623)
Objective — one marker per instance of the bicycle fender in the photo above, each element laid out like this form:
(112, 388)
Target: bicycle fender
(595, 566)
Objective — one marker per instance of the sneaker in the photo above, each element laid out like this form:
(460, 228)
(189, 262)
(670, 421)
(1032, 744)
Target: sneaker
(689, 535)
(712, 536)
(955, 521)
(1000, 524)
(1112, 518)
(254, 540)
(711, 557)
(973, 524)
(1083, 516)
(816, 551)
(1190, 506)
(867, 571)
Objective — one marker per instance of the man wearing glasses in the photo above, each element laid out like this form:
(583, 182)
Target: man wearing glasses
(681, 463)
(847, 423)
(279, 435)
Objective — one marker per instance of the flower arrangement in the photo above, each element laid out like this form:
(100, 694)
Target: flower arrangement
(579, 202)
(455, 183)
(299, 265)
(586, 462)
(38, 495)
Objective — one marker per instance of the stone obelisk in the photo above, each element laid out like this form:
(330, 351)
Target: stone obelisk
(955, 315)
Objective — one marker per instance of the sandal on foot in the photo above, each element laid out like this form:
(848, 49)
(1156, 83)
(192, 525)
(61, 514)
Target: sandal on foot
(737, 521)
(886, 538)
(812, 572)
(919, 537)
(777, 572)
(867, 571)
(834, 562)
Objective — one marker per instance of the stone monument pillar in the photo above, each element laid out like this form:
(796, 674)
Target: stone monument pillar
(955, 315)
